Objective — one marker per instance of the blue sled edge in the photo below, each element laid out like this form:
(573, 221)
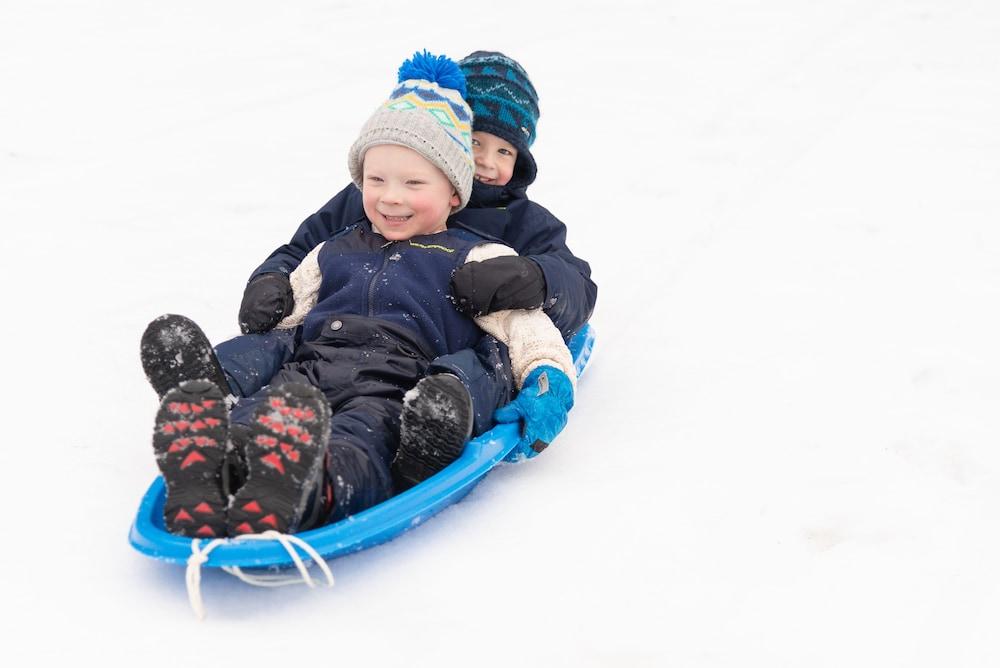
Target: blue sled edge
(366, 529)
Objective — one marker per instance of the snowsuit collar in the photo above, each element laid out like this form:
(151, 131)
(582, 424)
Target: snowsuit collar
(489, 197)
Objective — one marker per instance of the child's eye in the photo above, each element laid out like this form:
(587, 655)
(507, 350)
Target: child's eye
(475, 142)
(375, 179)
(504, 151)
(414, 182)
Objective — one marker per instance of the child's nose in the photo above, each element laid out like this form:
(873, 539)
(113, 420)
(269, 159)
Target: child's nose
(391, 194)
(483, 163)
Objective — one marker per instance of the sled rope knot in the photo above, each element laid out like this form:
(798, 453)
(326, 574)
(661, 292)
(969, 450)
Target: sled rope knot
(199, 556)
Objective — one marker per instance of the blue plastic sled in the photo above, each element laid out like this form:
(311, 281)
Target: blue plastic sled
(357, 532)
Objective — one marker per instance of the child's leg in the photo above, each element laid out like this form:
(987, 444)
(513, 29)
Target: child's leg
(362, 440)
(189, 441)
(485, 373)
(455, 401)
(175, 349)
(435, 426)
(281, 434)
(364, 436)
(251, 360)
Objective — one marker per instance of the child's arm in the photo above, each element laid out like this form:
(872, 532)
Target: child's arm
(531, 338)
(268, 296)
(570, 292)
(305, 282)
(546, 272)
(542, 368)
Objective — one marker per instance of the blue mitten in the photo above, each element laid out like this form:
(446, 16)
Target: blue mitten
(542, 405)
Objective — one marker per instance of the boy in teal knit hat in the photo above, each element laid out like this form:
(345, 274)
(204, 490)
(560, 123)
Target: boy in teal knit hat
(505, 106)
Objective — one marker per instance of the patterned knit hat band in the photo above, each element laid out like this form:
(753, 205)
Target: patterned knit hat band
(444, 105)
(427, 113)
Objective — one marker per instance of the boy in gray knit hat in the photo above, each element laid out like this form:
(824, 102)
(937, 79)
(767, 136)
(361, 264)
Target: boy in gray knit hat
(427, 117)
(371, 313)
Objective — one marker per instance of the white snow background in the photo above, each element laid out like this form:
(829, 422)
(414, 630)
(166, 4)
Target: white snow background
(785, 452)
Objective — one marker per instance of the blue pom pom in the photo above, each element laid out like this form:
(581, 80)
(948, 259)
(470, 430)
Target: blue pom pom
(442, 70)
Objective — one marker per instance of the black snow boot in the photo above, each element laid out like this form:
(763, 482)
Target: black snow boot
(436, 423)
(284, 450)
(174, 349)
(189, 441)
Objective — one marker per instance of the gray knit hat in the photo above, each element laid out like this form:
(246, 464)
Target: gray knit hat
(427, 113)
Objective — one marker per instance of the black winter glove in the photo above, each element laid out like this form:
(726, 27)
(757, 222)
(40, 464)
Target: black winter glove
(497, 284)
(266, 300)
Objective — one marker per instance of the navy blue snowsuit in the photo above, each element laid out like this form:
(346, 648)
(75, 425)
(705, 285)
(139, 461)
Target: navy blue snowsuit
(383, 314)
(495, 212)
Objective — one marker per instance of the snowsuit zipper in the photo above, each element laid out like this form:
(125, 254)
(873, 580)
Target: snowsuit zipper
(371, 281)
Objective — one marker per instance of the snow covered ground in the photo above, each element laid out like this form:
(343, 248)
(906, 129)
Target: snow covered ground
(785, 452)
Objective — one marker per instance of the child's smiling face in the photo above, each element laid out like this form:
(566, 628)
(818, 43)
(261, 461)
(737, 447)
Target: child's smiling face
(495, 158)
(403, 194)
